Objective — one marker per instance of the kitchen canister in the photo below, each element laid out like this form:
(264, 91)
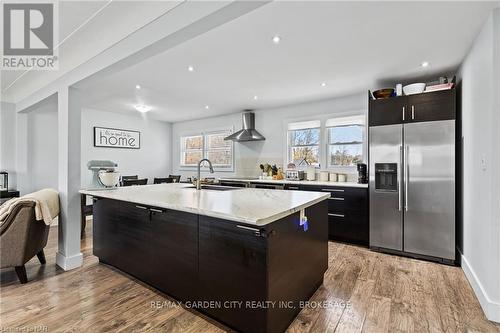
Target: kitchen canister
(323, 176)
(342, 177)
(333, 177)
(311, 173)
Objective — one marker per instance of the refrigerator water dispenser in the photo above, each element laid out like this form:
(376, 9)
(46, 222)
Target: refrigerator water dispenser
(386, 177)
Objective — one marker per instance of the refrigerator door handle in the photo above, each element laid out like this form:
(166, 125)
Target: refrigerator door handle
(407, 175)
(400, 179)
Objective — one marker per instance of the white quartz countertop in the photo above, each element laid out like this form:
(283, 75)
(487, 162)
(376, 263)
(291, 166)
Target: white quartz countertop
(251, 206)
(298, 182)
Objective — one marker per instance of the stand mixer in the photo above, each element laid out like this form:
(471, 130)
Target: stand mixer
(104, 174)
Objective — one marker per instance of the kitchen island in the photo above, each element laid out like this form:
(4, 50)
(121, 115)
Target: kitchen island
(242, 256)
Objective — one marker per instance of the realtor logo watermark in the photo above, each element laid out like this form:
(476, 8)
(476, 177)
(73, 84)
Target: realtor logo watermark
(29, 36)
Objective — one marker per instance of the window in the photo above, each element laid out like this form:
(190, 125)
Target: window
(207, 145)
(345, 141)
(218, 150)
(303, 143)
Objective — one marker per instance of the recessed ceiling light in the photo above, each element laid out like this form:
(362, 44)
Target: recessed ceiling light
(425, 64)
(190, 68)
(207, 107)
(323, 84)
(137, 87)
(142, 108)
(256, 97)
(276, 39)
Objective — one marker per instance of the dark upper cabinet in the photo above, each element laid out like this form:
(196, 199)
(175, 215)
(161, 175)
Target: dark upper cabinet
(438, 105)
(388, 111)
(174, 245)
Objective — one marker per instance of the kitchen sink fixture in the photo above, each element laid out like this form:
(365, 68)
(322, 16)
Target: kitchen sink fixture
(198, 179)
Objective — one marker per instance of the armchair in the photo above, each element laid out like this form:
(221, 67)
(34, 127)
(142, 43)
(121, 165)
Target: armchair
(21, 238)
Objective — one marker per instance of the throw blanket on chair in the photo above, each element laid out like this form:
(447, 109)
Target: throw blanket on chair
(46, 205)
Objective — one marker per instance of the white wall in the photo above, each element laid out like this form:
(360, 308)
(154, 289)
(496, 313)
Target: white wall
(42, 146)
(29, 145)
(272, 124)
(151, 160)
(480, 75)
(8, 141)
(40, 139)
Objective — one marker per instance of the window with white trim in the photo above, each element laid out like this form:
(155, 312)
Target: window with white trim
(346, 140)
(209, 145)
(304, 142)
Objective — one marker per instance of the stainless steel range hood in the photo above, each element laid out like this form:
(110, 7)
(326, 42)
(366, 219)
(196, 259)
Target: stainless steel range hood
(248, 132)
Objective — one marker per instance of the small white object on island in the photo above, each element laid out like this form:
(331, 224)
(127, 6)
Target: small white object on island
(252, 206)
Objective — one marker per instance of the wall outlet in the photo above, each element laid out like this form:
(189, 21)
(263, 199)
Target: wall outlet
(483, 163)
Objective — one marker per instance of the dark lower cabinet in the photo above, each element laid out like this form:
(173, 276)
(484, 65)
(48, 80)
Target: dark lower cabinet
(156, 246)
(347, 212)
(174, 249)
(348, 219)
(223, 245)
(124, 239)
(249, 278)
(279, 265)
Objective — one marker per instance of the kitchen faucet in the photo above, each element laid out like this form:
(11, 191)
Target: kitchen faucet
(198, 179)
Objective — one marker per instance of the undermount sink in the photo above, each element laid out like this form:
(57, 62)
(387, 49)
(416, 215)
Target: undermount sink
(215, 187)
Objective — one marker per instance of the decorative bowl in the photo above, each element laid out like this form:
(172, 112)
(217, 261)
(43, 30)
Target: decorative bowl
(383, 93)
(414, 88)
(109, 178)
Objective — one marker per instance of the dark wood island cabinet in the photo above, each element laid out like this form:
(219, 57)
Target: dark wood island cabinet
(200, 258)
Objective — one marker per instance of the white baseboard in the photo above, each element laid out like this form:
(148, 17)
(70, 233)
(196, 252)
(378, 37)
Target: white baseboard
(491, 309)
(69, 263)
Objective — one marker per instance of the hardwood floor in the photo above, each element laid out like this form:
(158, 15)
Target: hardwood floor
(363, 291)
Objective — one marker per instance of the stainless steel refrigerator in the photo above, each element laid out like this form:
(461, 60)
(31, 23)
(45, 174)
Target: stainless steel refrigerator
(412, 189)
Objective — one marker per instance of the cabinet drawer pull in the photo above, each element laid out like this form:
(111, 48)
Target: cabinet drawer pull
(331, 190)
(247, 228)
(336, 198)
(412, 112)
(156, 210)
(293, 188)
(255, 231)
(336, 215)
(141, 207)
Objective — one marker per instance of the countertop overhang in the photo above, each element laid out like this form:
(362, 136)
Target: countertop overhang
(251, 206)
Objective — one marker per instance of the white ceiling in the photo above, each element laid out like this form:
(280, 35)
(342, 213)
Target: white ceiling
(71, 16)
(86, 28)
(352, 46)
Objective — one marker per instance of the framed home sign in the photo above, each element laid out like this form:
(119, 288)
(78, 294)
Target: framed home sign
(116, 138)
